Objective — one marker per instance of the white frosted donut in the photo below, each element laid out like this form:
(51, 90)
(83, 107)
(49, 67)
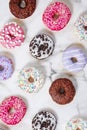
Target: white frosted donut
(74, 58)
(76, 124)
(81, 27)
(31, 79)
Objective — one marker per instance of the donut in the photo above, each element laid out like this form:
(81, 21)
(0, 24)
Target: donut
(41, 46)
(22, 8)
(12, 35)
(74, 58)
(12, 110)
(6, 68)
(76, 124)
(62, 91)
(56, 16)
(31, 79)
(44, 120)
(81, 27)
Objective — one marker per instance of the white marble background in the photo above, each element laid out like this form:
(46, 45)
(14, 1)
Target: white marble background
(53, 66)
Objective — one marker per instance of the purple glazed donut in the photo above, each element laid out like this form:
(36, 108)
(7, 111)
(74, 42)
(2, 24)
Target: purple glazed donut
(6, 67)
(74, 58)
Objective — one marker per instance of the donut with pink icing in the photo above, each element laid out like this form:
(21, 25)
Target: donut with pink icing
(56, 16)
(12, 35)
(12, 110)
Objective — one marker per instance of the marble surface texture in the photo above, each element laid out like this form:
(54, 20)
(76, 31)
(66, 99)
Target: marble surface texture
(53, 66)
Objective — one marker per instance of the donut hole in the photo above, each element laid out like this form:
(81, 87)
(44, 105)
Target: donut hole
(74, 59)
(22, 4)
(78, 128)
(30, 79)
(12, 36)
(61, 91)
(1, 68)
(55, 16)
(85, 27)
(11, 110)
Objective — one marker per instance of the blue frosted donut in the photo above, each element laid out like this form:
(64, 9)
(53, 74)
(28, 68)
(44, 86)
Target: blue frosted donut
(6, 68)
(74, 58)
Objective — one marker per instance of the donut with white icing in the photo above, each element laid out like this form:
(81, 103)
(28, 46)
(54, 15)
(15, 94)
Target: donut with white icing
(31, 79)
(81, 27)
(76, 124)
(41, 46)
(44, 120)
(74, 58)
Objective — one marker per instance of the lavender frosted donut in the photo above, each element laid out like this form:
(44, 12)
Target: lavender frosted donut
(6, 68)
(74, 58)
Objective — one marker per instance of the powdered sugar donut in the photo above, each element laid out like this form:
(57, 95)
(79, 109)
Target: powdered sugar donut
(76, 124)
(44, 120)
(31, 79)
(12, 110)
(41, 46)
(81, 27)
(74, 58)
(12, 35)
(56, 16)
(6, 68)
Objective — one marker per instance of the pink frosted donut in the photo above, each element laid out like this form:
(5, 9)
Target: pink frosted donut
(12, 110)
(12, 35)
(56, 16)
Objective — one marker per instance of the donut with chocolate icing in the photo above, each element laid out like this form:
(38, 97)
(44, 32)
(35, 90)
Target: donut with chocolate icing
(41, 46)
(22, 8)
(44, 120)
(62, 91)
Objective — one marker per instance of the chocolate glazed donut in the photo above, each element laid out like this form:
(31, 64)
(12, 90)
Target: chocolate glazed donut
(22, 8)
(62, 91)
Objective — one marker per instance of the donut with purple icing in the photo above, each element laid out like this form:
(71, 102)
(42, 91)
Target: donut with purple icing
(6, 67)
(74, 58)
